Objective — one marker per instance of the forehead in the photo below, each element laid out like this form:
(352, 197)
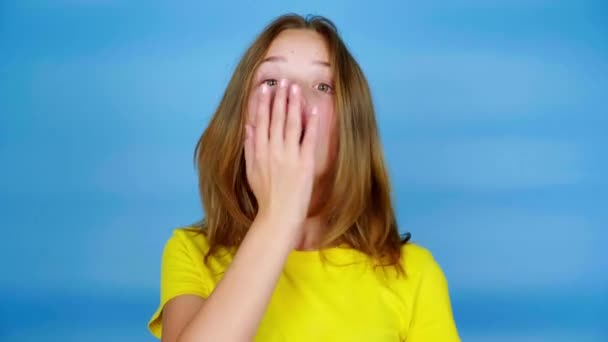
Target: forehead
(299, 43)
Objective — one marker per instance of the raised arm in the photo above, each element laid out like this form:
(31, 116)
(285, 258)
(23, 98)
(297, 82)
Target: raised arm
(280, 171)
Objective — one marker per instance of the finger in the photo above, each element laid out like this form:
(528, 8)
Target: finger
(249, 149)
(261, 121)
(293, 126)
(309, 141)
(277, 124)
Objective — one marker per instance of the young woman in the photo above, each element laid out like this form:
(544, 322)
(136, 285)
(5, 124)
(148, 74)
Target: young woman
(299, 240)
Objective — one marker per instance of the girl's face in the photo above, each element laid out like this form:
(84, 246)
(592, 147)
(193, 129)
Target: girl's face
(301, 56)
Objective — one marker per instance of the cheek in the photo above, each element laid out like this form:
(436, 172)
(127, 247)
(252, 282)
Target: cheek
(329, 118)
(327, 128)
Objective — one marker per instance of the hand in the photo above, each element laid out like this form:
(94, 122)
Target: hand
(280, 169)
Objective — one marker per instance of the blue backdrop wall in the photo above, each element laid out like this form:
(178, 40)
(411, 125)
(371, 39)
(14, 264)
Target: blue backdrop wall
(493, 116)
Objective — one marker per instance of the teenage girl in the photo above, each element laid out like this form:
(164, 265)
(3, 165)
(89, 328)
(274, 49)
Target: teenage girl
(299, 240)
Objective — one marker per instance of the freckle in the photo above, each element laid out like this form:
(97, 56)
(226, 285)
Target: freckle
(291, 51)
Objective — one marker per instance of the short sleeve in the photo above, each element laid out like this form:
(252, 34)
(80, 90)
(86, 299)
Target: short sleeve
(181, 274)
(432, 318)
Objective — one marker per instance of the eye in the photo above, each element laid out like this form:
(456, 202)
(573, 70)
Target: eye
(324, 87)
(270, 82)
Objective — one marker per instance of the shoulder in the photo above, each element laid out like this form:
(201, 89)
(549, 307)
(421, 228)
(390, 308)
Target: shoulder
(430, 314)
(190, 244)
(183, 270)
(415, 257)
(189, 233)
(419, 263)
(189, 239)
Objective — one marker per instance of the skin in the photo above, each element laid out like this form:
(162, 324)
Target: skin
(288, 150)
(302, 57)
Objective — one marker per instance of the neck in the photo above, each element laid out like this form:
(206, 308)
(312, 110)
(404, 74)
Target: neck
(312, 232)
(314, 226)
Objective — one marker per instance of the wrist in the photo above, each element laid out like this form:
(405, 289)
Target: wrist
(277, 226)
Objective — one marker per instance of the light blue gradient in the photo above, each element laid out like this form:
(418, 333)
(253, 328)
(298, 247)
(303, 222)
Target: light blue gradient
(493, 117)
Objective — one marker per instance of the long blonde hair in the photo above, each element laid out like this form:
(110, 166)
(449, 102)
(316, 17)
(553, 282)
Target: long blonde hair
(358, 208)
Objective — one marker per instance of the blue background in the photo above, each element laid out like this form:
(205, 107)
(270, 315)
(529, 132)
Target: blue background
(493, 116)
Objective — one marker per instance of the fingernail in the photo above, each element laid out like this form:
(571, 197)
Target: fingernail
(264, 89)
(294, 89)
(314, 111)
(283, 83)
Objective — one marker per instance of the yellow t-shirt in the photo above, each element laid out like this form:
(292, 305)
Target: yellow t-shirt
(341, 299)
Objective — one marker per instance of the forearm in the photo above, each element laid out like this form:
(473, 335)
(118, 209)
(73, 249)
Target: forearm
(235, 308)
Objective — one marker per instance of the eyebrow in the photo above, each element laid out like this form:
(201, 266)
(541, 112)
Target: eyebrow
(283, 59)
